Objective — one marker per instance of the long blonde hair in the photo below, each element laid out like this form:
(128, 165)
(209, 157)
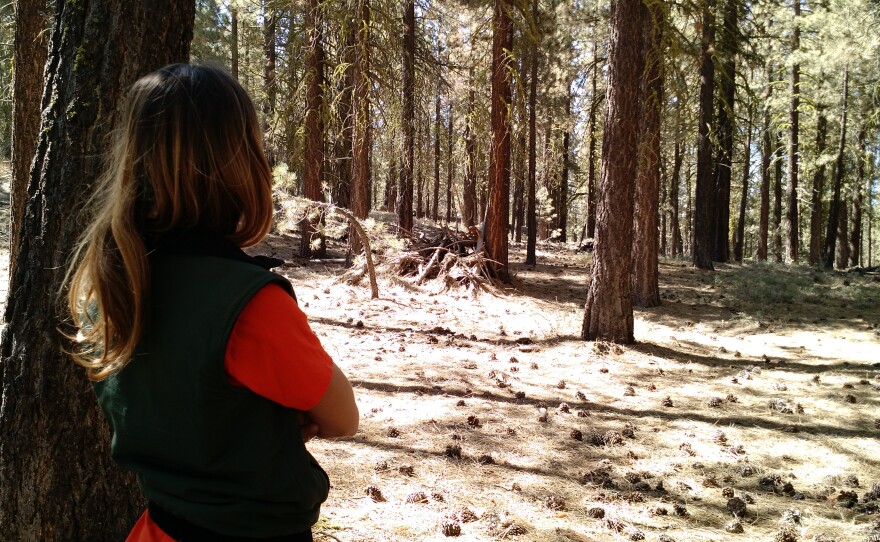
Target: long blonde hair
(187, 154)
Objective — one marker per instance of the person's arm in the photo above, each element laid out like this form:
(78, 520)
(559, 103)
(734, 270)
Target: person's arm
(336, 414)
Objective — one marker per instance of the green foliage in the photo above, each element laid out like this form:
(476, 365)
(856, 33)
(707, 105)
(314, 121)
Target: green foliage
(6, 54)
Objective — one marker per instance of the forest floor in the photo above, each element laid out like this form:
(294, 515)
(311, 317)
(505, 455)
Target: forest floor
(753, 390)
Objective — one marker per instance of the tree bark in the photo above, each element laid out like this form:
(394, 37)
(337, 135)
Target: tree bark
(313, 153)
(469, 196)
(531, 211)
(450, 164)
(835, 207)
(777, 200)
(437, 128)
(739, 243)
(842, 256)
(591, 153)
(815, 256)
(407, 121)
(855, 234)
(344, 145)
(728, 45)
(704, 216)
(362, 125)
(562, 197)
(57, 481)
(497, 215)
(30, 48)
(645, 273)
(233, 39)
(791, 217)
(766, 158)
(270, 89)
(608, 312)
(677, 159)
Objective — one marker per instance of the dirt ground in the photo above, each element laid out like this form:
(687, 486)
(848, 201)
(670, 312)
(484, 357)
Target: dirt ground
(752, 392)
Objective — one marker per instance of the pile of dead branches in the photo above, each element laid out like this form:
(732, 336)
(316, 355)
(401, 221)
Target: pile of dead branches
(452, 258)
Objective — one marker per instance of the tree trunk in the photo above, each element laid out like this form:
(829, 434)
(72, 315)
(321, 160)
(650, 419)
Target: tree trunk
(407, 120)
(361, 129)
(313, 153)
(675, 182)
(233, 42)
(57, 481)
(842, 256)
(815, 256)
(777, 200)
(343, 146)
(562, 198)
(608, 313)
(791, 216)
(30, 48)
(704, 216)
(835, 208)
(645, 273)
(450, 164)
(739, 243)
(591, 153)
(270, 89)
(437, 127)
(531, 211)
(728, 45)
(498, 211)
(855, 234)
(766, 158)
(469, 196)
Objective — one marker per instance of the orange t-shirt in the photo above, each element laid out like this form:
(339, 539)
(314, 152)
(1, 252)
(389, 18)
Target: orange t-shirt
(273, 352)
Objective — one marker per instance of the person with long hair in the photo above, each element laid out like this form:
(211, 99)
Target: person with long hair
(201, 360)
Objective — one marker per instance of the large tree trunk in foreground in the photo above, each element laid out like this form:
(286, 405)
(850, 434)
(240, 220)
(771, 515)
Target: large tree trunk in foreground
(704, 216)
(608, 313)
(30, 50)
(497, 216)
(57, 481)
(645, 276)
(312, 242)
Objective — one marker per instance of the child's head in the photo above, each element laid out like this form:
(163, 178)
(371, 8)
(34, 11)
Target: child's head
(189, 150)
(186, 155)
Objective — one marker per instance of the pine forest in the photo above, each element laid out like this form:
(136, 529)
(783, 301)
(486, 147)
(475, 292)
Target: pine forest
(596, 270)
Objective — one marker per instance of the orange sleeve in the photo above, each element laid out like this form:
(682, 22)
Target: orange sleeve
(273, 352)
(145, 530)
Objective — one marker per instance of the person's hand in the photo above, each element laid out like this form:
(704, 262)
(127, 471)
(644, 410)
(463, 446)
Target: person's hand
(307, 427)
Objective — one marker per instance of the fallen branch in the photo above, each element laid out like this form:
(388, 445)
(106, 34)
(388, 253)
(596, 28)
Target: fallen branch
(364, 239)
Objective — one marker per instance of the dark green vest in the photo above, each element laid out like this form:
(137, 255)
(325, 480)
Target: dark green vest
(216, 455)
